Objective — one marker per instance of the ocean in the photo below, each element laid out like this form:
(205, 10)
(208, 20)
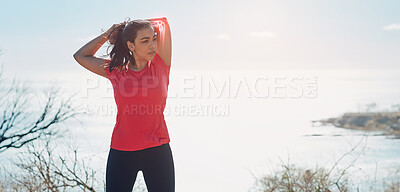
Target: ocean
(228, 126)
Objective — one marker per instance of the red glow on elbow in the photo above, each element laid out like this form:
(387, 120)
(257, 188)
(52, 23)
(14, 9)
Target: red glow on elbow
(160, 25)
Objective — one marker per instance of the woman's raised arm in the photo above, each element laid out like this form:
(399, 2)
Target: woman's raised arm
(85, 55)
(164, 45)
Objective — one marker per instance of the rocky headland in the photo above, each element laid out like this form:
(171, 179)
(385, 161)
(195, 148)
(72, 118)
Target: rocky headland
(389, 122)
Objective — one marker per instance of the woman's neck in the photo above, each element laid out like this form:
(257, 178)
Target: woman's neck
(139, 65)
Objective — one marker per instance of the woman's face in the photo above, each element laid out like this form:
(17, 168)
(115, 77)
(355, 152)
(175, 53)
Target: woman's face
(145, 44)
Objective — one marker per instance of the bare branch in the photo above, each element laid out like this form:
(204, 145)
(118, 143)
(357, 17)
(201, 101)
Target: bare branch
(17, 126)
(54, 171)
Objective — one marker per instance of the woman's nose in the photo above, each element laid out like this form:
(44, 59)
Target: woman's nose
(153, 44)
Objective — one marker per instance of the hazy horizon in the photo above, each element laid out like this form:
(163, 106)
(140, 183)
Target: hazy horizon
(211, 35)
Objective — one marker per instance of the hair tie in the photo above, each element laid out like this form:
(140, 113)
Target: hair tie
(112, 37)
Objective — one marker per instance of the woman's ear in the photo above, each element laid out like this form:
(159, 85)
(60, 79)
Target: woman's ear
(130, 45)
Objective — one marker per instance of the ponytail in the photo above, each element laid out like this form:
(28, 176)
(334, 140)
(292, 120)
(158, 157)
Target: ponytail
(120, 53)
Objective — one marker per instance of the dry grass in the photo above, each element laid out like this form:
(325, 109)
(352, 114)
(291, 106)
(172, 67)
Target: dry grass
(40, 168)
(292, 178)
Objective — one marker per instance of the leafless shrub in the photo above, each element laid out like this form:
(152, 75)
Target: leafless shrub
(394, 183)
(43, 168)
(291, 178)
(19, 126)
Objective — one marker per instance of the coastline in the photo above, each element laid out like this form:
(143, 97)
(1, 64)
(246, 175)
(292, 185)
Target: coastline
(388, 122)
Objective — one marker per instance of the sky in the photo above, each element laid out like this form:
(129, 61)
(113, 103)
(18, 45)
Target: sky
(41, 36)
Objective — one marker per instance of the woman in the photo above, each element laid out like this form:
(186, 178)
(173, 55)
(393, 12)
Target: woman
(139, 72)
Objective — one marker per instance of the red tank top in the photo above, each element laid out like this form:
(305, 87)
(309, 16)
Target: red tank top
(140, 97)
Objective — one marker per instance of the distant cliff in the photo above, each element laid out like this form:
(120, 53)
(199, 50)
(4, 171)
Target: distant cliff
(388, 122)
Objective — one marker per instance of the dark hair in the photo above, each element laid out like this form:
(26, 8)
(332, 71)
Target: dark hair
(120, 54)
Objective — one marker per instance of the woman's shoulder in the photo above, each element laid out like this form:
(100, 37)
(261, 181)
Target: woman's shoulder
(157, 60)
(112, 71)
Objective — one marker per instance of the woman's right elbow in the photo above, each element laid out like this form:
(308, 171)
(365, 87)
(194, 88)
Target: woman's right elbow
(76, 56)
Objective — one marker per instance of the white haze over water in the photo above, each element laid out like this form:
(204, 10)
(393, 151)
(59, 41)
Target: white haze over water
(264, 116)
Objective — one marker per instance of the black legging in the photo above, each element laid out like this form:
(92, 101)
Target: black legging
(156, 163)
